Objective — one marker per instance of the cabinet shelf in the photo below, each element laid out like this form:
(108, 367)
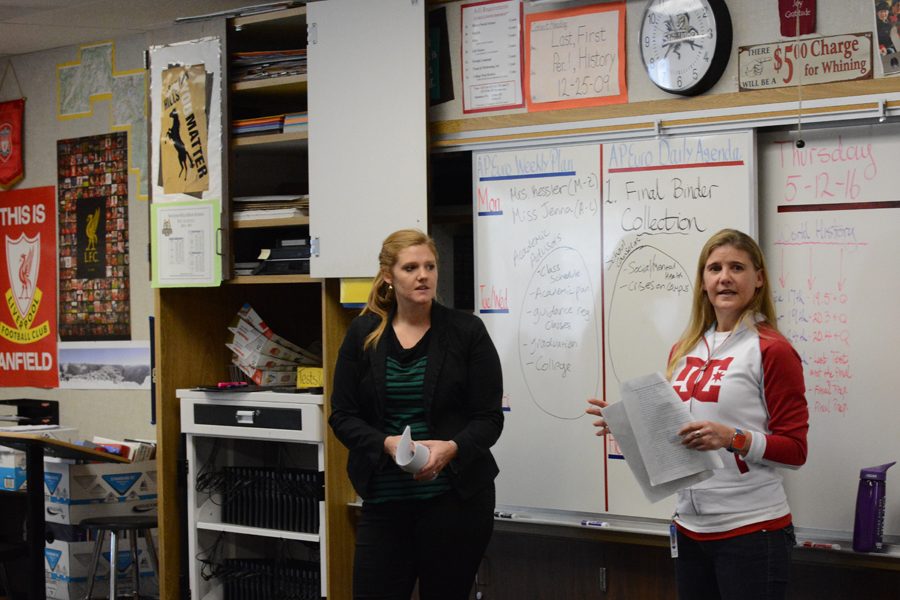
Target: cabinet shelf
(296, 139)
(286, 20)
(273, 86)
(256, 279)
(259, 531)
(267, 223)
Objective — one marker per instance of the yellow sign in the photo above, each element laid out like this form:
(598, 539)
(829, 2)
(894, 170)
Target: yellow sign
(308, 377)
(24, 333)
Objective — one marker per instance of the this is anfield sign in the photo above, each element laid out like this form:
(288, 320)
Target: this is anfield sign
(28, 350)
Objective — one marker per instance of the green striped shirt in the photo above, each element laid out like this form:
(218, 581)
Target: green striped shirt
(405, 405)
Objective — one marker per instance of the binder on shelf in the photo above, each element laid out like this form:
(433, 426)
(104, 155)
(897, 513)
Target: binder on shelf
(292, 252)
(295, 266)
(288, 260)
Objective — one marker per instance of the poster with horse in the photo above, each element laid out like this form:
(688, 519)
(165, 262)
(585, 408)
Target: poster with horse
(183, 140)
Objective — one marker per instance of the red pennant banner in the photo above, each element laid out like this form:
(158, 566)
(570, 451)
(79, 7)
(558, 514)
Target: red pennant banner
(12, 166)
(798, 17)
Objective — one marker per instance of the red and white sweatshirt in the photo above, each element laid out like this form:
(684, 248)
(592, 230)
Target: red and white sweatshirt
(752, 380)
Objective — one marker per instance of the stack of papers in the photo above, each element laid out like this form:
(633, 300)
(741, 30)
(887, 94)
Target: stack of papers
(263, 356)
(645, 423)
(248, 208)
(267, 64)
(245, 267)
(294, 122)
(257, 125)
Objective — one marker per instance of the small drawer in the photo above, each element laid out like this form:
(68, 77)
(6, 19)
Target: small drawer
(248, 416)
(263, 420)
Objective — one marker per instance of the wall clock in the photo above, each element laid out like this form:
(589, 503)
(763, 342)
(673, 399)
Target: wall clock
(685, 44)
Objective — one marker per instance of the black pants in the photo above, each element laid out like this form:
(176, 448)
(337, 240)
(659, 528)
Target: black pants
(755, 566)
(439, 542)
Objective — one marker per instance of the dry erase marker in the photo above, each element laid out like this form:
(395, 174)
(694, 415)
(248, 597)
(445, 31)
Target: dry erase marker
(590, 523)
(821, 546)
(227, 385)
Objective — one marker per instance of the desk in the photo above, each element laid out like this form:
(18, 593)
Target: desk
(35, 448)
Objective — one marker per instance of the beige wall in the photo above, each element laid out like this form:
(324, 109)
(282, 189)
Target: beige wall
(107, 413)
(754, 22)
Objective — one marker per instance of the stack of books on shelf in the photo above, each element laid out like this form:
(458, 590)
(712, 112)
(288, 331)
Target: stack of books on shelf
(257, 125)
(263, 356)
(248, 208)
(267, 64)
(133, 450)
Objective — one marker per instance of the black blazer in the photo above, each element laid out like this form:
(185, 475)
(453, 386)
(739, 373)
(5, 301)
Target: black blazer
(463, 389)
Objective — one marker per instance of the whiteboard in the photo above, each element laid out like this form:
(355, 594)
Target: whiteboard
(560, 236)
(663, 199)
(538, 263)
(830, 228)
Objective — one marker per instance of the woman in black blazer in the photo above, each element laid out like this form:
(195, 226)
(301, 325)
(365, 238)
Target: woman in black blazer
(409, 361)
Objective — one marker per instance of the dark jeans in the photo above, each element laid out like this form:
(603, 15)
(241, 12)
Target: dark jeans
(755, 566)
(439, 542)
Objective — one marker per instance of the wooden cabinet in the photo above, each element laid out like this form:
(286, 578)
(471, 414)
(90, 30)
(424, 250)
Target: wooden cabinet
(191, 323)
(191, 329)
(267, 80)
(364, 164)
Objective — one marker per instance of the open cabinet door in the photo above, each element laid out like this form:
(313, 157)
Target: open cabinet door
(188, 165)
(367, 129)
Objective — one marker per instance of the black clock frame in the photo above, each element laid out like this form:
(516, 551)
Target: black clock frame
(721, 54)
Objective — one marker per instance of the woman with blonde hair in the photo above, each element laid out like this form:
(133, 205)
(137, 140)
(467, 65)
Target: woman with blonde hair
(743, 383)
(409, 361)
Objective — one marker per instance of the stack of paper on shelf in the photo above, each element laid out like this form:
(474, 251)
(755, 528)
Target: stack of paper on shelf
(270, 124)
(294, 122)
(248, 208)
(267, 64)
(262, 355)
(245, 267)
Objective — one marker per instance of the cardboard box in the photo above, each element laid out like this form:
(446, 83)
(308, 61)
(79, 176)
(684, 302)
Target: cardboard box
(13, 478)
(270, 377)
(67, 566)
(12, 462)
(251, 340)
(73, 492)
(258, 360)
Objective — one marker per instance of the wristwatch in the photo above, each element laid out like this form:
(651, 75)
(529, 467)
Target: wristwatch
(738, 441)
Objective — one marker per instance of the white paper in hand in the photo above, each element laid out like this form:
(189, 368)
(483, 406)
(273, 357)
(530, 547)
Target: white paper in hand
(411, 457)
(645, 422)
